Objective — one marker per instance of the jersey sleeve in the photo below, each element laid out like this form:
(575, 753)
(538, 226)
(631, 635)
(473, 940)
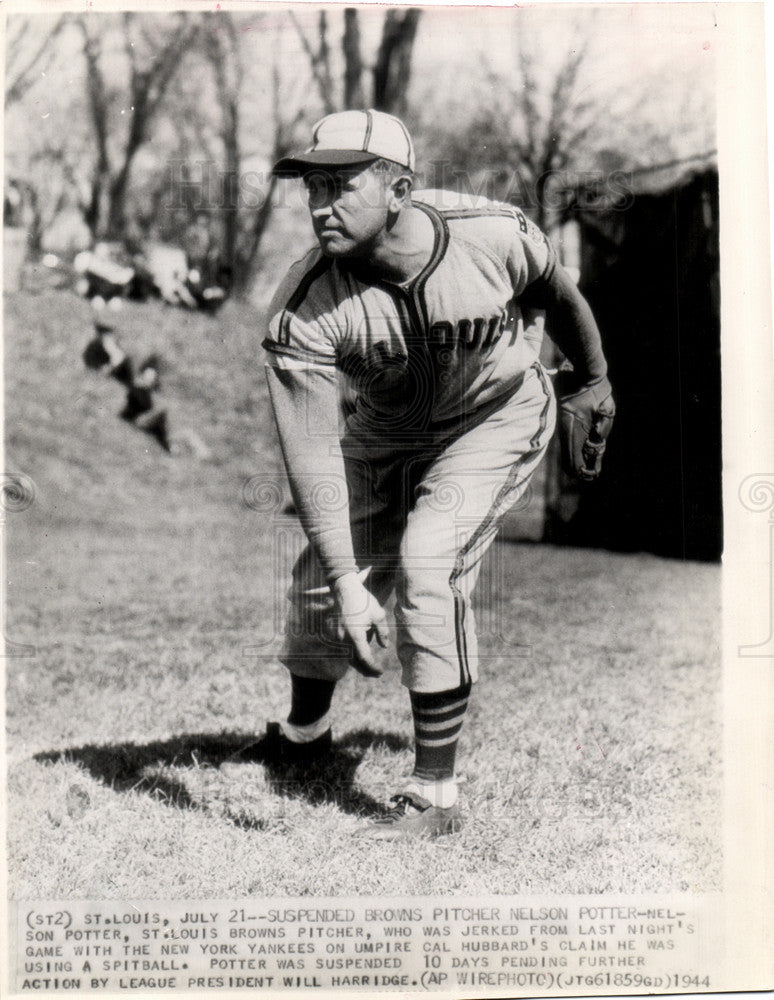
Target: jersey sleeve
(530, 255)
(303, 323)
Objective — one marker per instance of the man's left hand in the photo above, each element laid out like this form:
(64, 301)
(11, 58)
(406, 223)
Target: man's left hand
(585, 421)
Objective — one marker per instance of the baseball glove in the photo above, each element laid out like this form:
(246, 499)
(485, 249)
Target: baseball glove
(585, 421)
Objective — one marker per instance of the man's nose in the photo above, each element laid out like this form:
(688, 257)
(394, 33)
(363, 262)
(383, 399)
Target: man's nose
(320, 208)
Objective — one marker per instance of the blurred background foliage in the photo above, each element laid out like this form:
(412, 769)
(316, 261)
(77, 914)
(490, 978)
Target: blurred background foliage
(136, 126)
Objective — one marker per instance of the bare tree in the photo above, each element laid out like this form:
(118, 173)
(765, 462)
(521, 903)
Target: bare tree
(255, 223)
(223, 51)
(319, 60)
(133, 91)
(553, 117)
(391, 71)
(27, 57)
(549, 143)
(153, 58)
(531, 129)
(390, 77)
(150, 77)
(98, 104)
(353, 60)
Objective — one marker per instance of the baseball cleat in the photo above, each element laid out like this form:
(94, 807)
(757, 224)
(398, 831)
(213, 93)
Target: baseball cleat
(278, 749)
(414, 816)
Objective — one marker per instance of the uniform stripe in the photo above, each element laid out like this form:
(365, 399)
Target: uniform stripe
(439, 743)
(436, 727)
(439, 249)
(502, 494)
(478, 213)
(289, 351)
(408, 138)
(443, 710)
(317, 129)
(438, 737)
(298, 296)
(369, 129)
(440, 244)
(544, 412)
(459, 625)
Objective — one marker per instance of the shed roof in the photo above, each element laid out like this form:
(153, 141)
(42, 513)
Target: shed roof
(610, 189)
(677, 173)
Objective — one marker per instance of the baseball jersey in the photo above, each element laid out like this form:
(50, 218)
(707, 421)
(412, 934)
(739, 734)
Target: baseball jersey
(452, 339)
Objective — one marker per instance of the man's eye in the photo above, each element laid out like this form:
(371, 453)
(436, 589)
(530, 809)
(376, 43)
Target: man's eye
(319, 192)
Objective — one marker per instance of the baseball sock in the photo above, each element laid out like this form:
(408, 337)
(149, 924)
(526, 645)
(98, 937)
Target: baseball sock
(437, 723)
(310, 703)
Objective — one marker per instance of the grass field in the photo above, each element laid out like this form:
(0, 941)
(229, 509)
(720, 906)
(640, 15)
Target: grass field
(149, 592)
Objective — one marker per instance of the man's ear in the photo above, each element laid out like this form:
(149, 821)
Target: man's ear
(400, 192)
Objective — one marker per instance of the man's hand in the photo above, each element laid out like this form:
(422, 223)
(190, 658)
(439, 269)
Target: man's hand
(360, 617)
(585, 421)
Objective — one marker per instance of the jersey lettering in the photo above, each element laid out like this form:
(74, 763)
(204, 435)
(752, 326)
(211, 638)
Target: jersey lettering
(528, 228)
(471, 333)
(441, 333)
(521, 220)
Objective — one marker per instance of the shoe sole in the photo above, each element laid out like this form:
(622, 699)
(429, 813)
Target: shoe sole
(413, 831)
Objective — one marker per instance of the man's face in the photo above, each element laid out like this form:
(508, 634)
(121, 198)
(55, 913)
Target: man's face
(349, 209)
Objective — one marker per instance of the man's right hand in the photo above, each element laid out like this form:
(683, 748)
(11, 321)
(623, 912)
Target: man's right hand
(360, 617)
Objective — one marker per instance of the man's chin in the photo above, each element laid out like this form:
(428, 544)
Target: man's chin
(337, 247)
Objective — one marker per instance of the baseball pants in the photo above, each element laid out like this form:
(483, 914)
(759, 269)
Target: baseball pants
(422, 519)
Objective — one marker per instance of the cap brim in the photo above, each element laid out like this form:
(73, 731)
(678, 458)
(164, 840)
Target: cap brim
(319, 159)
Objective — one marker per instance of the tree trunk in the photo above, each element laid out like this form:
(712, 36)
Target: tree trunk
(93, 210)
(230, 188)
(223, 53)
(246, 269)
(353, 61)
(324, 59)
(392, 72)
(119, 186)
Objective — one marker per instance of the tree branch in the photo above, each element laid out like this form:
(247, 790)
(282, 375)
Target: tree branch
(317, 61)
(24, 78)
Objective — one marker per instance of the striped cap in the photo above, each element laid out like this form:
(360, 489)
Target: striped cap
(348, 138)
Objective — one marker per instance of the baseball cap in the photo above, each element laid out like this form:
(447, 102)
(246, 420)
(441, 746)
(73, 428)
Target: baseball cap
(348, 138)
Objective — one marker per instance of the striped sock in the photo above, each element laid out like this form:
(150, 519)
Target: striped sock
(437, 724)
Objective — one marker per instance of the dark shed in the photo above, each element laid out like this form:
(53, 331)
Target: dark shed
(649, 266)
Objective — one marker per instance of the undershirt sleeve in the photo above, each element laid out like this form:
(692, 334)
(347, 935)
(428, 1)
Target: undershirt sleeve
(569, 320)
(306, 409)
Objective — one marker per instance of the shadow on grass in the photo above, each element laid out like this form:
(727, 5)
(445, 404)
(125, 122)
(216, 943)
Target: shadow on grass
(139, 767)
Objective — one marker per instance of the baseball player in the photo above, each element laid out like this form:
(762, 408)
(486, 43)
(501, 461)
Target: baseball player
(433, 305)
